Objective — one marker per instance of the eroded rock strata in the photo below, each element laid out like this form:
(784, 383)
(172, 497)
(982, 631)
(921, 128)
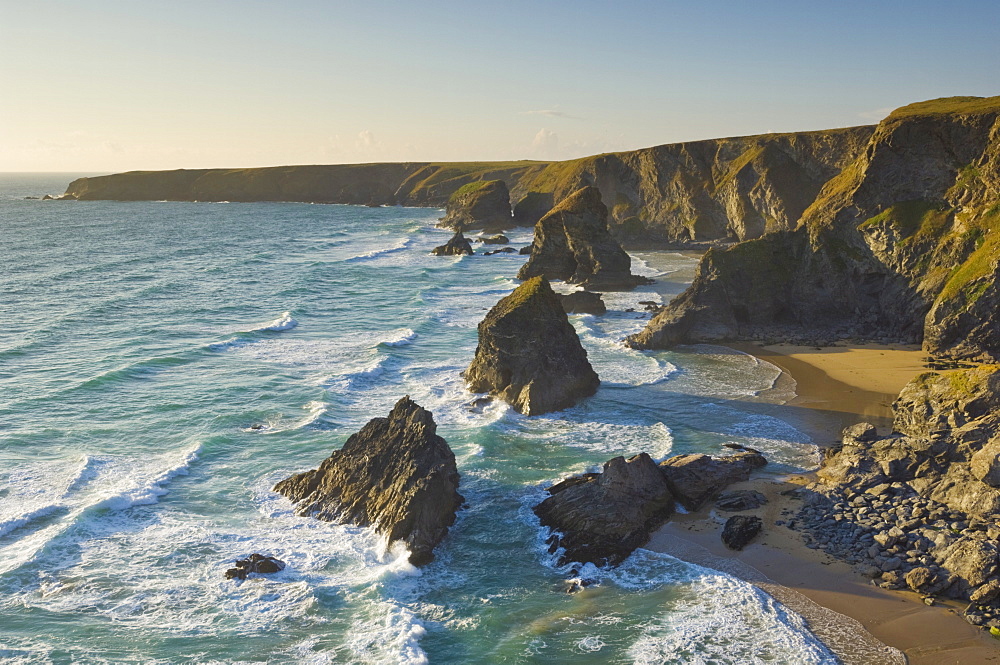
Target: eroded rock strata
(395, 474)
(529, 354)
(572, 243)
(718, 189)
(479, 205)
(920, 508)
(602, 518)
(903, 245)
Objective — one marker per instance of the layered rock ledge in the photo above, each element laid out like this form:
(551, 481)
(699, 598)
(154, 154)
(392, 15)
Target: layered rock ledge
(573, 243)
(395, 474)
(529, 354)
(602, 518)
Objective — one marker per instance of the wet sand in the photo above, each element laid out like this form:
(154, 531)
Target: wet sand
(836, 386)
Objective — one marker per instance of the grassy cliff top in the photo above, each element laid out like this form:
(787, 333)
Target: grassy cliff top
(947, 106)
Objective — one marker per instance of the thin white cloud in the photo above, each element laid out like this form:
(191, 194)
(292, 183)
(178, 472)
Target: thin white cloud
(552, 113)
(875, 114)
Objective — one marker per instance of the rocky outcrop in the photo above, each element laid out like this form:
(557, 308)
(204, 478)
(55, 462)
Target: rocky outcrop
(582, 302)
(694, 479)
(740, 530)
(916, 509)
(719, 189)
(572, 243)
(529, 355)
(498, 239)
(903, 245)
(479, 205)
(458, 245)
(396, 475)
(740, 500)
(254, 564)
(603, 517)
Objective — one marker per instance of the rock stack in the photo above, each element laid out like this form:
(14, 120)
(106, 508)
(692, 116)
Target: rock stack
(395, 474)
(572, 243)
(484, 204)
(529, 354)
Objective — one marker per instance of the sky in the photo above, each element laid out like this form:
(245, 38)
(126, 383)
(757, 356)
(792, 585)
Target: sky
(107, 86)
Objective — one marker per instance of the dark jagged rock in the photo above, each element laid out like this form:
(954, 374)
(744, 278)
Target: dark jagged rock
(740, 530)
(902, 246)
(572, 243)
(525, 250)
(602, 518)
(502, 250)
(395, 474)
(479, 205)
(255, 563)
(740, 500)
(498, 239)
(458, 244)
(529, 355)
(583, 302)
(694, 479)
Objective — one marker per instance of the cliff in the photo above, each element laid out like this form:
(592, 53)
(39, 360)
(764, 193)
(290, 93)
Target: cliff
(901, 246)
(719, 189)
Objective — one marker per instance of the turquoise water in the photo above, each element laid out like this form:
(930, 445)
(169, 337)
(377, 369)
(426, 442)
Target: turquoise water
(142, 341)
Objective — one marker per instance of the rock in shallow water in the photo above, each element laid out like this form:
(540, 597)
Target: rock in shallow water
(529, 354)
(602, 518)
(395, 474)
(458, 244)
(255, 563)
(693, 479)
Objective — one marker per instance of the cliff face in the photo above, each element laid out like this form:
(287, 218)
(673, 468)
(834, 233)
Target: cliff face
(902, 245)
(733, 188)
(484, 204)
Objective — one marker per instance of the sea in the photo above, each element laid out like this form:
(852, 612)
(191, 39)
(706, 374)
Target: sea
(164, 364)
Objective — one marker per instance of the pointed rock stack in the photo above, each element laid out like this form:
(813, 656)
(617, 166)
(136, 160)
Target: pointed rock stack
(395, 474)
(458, 245)
(572, 243)
(529, 355)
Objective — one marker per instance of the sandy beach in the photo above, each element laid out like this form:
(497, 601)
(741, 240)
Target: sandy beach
(836, 386)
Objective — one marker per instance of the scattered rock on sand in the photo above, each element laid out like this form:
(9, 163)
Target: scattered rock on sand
(740, 530)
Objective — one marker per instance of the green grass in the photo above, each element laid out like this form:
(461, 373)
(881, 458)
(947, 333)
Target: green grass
(948, 106)
(914, 220)
(469, 188)
(981, 263)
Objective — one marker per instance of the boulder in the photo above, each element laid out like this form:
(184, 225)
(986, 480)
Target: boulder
(601, 518)
(483, 204)
(582, 302)
(529, 355)
(396, 474)
(919, 577)
(502, 250)
(458, 244)
(255, 563)
(740, 500)
(498, 239)
(971, 559)
(985, 464)
(740, 530)
(693, 479)
(572, 243)
(526, 250)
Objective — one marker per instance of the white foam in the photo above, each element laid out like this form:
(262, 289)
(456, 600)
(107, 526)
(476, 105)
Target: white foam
(398, 245)
(168, 578)
(280, 324)
(117, 483)
(401, 337)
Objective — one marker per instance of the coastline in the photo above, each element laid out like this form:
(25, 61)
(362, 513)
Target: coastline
(835, 386)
